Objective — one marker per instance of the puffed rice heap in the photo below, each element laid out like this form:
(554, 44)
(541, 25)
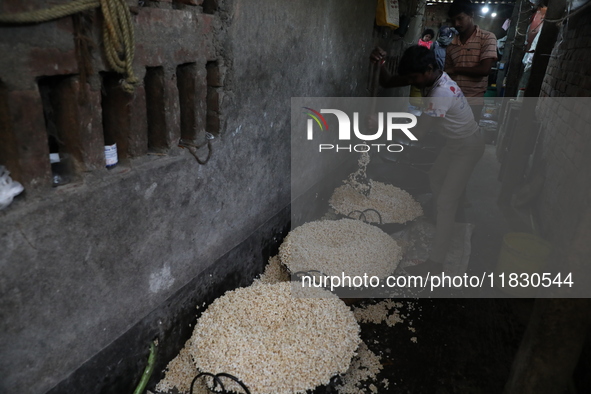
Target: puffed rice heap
(274, 342)
(337, 247)
(394, 204)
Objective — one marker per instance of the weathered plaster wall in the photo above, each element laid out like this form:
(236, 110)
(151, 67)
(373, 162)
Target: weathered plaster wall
(84, 264)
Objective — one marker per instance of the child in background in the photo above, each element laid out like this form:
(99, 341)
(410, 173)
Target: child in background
(426, 37)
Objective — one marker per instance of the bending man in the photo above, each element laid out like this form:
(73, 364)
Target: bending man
(446, 110)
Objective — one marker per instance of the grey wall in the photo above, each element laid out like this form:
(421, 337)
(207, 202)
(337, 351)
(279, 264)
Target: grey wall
(82, 265)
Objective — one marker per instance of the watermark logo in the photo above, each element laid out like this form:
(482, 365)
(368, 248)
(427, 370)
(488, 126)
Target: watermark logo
(389, 122)
(318, 118)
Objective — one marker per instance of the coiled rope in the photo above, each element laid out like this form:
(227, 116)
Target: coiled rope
(118, 33)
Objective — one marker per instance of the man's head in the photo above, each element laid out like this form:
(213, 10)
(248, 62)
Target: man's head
(461, 13)
(419, 65)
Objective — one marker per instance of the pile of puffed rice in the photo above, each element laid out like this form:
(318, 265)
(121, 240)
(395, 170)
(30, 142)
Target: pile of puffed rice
(272, 341)
(337, 247)
(394, 204)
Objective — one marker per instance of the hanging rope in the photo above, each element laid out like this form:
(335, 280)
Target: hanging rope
(118, 33)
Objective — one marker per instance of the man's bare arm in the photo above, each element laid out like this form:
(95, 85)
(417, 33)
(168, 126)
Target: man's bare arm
(387, 80)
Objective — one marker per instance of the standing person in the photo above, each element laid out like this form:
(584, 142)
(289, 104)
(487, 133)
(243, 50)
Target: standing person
(446, 35)
(426, 38)
(446, 110)
(470, 55)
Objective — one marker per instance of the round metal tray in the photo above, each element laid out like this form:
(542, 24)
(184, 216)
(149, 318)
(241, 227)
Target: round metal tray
(388, 228)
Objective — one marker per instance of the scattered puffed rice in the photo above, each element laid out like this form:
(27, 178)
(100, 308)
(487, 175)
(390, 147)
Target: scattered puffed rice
(275, 272)
(366, 365)
(379, 313)
(179, 373)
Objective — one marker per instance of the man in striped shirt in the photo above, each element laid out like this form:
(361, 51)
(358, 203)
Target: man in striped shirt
(470, 55)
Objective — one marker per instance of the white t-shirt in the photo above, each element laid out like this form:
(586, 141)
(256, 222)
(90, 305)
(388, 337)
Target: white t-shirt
(445, 100)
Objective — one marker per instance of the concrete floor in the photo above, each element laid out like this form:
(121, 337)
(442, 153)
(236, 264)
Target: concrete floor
(465, 345)
(491, 220)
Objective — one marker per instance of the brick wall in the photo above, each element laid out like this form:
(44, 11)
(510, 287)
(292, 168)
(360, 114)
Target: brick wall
(436, 16)
(564, 207)
(84, 113)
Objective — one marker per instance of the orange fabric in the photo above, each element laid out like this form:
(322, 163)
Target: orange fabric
(426, 44)
(535, 26)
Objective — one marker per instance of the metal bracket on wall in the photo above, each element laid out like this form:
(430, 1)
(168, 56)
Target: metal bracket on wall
(192, 147)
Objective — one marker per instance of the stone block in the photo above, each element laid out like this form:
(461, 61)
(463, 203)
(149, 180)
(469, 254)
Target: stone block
(116, 105)
(213, 100)
(14, 6)
(138, 137)
(201, 84)
(192, 86)
(215, 74)
(189, 2)
(213, 123)
(182, 44)
(24, 147)
(156, 109)
(79, 123)
(172, 109)
(572, 91)
(573, 79)
(52, 61)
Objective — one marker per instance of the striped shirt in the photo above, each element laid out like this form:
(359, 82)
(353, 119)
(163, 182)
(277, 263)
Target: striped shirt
(481, 45)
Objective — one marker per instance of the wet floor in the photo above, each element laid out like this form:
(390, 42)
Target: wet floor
(446, 346)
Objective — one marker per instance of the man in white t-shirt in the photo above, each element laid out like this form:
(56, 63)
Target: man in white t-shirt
(446, 110)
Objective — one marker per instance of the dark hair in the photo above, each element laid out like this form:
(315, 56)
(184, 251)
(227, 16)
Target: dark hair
(459, 6)
(428, 31)
(417, 59)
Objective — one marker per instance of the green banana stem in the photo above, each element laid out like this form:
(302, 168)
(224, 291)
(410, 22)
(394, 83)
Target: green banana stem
(148, 371)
